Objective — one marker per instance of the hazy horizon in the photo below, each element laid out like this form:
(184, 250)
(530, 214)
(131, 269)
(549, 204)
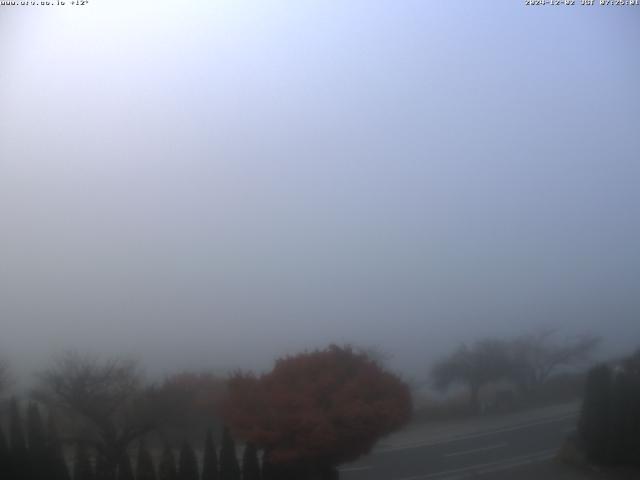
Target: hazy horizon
(215, 184)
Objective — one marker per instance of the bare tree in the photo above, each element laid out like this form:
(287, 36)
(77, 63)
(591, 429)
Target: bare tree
(537, 355)
(473, 366)
(109, 396)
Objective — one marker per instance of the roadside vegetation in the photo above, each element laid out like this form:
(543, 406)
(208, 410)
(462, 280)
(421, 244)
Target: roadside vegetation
(608, 433)
(99, 419)
(314, 411)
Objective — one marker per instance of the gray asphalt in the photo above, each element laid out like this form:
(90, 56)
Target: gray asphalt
(484, 455)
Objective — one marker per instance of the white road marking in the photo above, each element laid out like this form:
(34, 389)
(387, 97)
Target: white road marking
(486, 467)
(474, 435)
(355, 469)
(475, 450)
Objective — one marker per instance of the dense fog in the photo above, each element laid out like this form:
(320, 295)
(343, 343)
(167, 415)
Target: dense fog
(213, 184)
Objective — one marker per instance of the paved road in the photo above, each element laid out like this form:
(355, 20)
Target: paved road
(483, 455)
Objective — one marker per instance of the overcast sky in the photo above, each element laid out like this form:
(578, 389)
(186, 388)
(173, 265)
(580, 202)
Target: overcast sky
(215, 183)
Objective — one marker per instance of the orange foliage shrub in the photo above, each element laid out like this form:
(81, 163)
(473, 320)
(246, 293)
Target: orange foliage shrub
(324, 407)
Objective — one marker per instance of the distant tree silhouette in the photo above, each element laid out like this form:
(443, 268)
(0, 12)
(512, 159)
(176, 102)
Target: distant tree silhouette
(58, 469)
(17, 444)
(473, 366)
(316, 410)
(250, 463)
(38, 453)
(229, 468)
(536, 355)
(125, 471)
(210, 458)
(144, 467)
(188, 464)
(167, 469)
(82, 468)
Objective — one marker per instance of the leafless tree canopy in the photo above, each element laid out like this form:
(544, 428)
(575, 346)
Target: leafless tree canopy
(527, 361)
(87, 386)
(539, 354)
(109, 395)
(474, 366)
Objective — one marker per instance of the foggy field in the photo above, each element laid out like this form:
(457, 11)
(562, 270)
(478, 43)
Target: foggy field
(302, 228)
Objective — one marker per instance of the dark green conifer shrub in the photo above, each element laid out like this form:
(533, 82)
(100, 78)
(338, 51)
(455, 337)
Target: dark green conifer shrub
(188, 463)
(250, 463)
(609, 422)
(4, 456)
(82, 467)
(125, 471)
(210, 458)
(229, 468)
(58, 469)
(144, 468)
(19, 465)
(167, 469)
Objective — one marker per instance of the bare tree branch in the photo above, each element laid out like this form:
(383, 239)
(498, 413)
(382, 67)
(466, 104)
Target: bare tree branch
(537, 355)
(474, 366)
(108, 394)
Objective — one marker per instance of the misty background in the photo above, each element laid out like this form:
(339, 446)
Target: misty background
(215, 184)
